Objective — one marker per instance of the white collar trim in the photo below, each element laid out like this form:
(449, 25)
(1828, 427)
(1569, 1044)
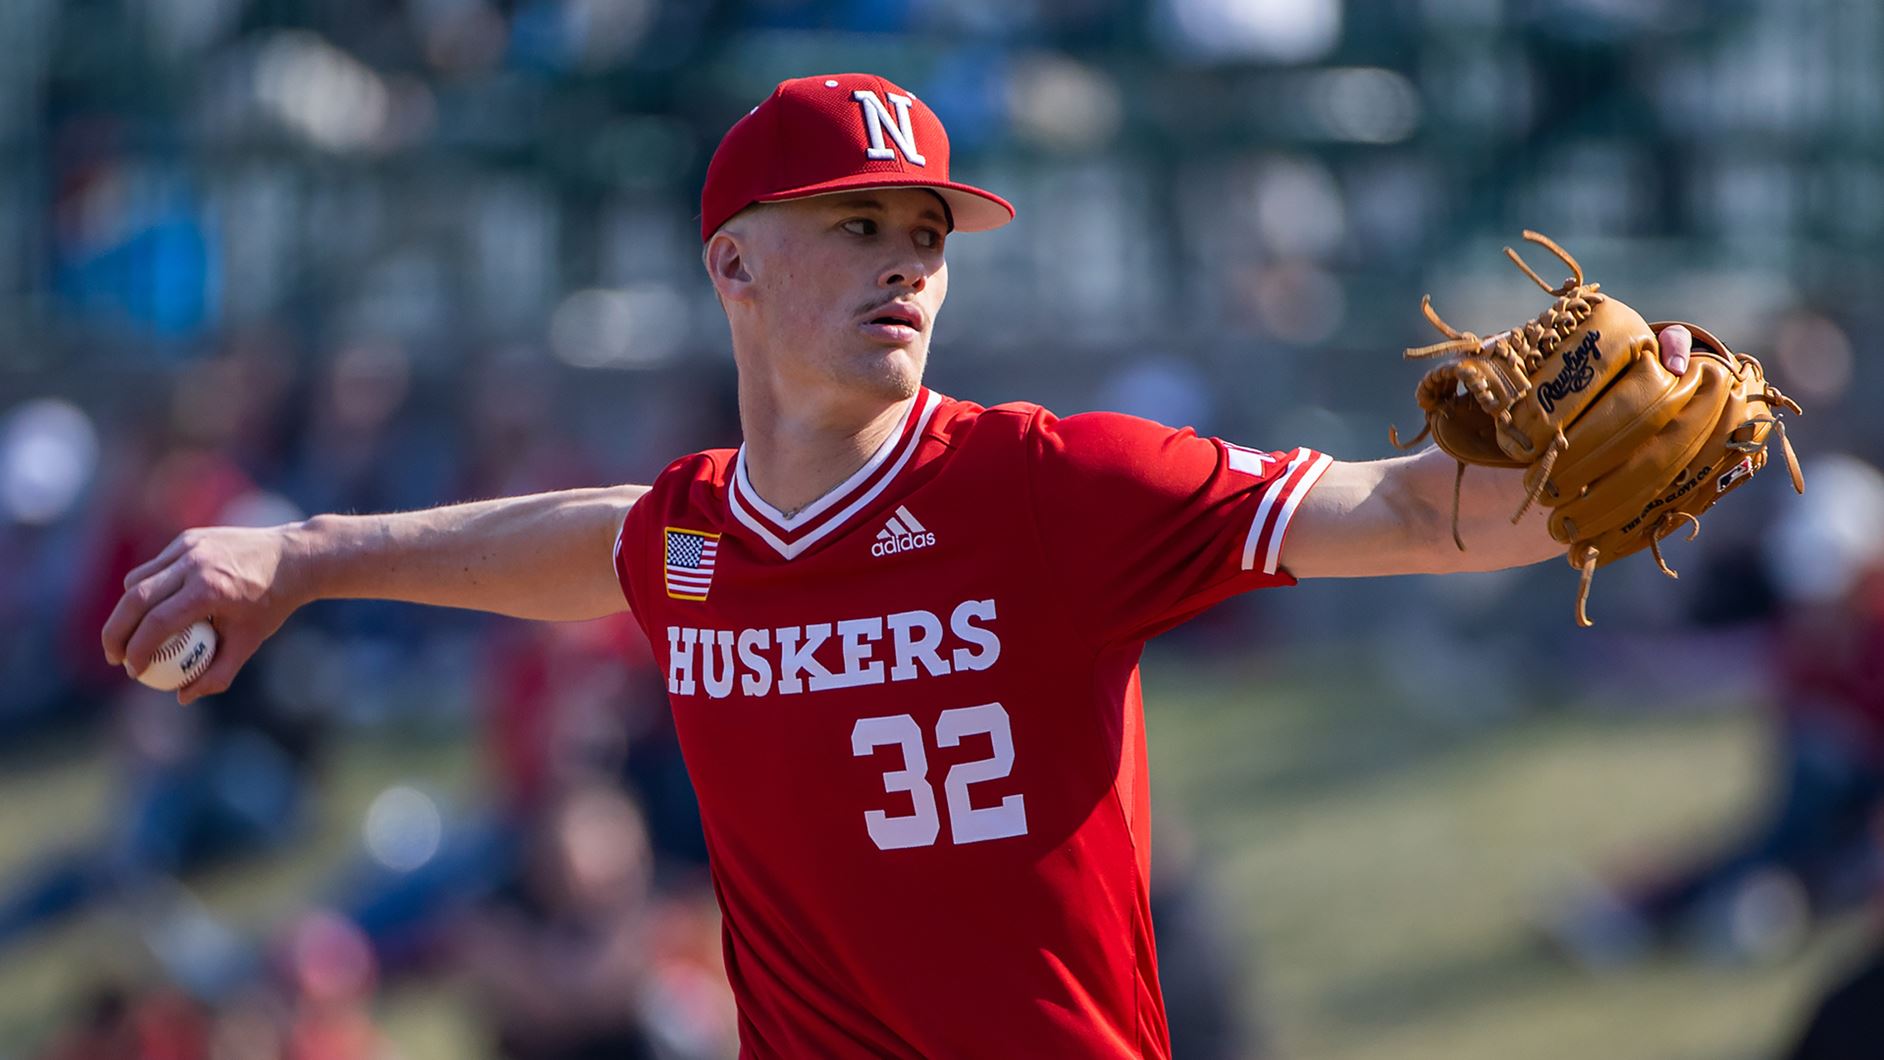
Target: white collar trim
(742, 495)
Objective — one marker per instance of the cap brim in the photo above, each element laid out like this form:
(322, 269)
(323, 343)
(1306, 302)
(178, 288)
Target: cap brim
(973, 209)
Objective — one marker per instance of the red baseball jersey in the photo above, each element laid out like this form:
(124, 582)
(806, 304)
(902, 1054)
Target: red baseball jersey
(911, 713)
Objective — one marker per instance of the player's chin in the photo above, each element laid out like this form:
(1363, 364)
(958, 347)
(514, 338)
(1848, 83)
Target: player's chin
(890, 371)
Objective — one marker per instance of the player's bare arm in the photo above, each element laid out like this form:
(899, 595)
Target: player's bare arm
(543, 556)
(1394, 516)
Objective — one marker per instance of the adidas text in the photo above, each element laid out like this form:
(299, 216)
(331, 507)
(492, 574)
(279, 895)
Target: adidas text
(892, 545)
(903, 532)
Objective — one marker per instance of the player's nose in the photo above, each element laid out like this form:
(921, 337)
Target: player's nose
(910, 273)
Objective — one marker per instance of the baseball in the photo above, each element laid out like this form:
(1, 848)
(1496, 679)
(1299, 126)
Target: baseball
(182, 659)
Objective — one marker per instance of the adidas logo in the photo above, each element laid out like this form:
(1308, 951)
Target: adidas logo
(901, 534)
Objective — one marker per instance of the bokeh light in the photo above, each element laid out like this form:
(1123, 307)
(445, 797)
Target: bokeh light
(403, 828)
(1814, 356)
(634, 327)
(48, 454)
(1822, 543)
(1283, 31)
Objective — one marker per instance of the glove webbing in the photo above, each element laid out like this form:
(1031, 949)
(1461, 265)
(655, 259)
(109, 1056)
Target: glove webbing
(1523, 350)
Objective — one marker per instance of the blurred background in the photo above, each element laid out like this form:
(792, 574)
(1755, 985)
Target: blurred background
(262, 258)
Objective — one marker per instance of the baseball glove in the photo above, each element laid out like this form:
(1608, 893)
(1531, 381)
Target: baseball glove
(1621, 450)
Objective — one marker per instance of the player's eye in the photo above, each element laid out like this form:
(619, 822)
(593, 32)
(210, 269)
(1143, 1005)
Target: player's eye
(860, 226)
(928, 238)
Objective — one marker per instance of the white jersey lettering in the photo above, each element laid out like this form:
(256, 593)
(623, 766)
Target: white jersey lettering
(760, 662)
(984, 639)
(794, 659)
(852, 635)
(914, 636)
(680, 642)
(718, 685)
(757, 681)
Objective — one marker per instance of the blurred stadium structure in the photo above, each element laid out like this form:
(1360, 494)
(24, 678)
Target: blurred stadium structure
(260, 257)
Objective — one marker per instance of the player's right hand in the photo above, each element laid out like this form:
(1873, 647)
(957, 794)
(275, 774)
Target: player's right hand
(236, 577)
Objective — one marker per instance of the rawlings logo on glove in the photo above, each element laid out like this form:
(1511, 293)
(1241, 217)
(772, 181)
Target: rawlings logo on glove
(1609, 439)
(1576, 375)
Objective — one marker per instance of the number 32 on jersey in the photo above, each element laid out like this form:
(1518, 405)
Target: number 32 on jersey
(967, 823)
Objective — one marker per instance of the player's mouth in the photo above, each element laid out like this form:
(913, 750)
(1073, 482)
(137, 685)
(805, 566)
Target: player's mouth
(895, 323)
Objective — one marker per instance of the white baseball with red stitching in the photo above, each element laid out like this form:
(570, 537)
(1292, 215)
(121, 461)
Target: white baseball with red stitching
(182, 659)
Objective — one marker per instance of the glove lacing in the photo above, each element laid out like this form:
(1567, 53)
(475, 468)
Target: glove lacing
(1522, 352)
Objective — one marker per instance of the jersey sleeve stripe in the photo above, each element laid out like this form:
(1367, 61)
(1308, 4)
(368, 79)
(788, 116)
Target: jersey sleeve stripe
(1271, 494)
(1305, 480)
(1280, 499)
(618, 567)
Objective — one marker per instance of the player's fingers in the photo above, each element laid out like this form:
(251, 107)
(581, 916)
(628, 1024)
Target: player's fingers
(163, 621)
(232, 651)
(158, 562)
(1676, 342)
(133, 607)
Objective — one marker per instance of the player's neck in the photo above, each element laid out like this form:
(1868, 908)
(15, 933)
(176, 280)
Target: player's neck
(793, 459)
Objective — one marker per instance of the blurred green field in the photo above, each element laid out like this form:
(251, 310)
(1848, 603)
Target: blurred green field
(1383, 867)
(1379, 865)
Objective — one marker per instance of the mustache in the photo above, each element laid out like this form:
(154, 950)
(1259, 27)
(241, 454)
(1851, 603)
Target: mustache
(880, 303)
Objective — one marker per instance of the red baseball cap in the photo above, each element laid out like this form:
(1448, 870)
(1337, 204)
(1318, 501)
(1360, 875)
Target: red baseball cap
(836, 132)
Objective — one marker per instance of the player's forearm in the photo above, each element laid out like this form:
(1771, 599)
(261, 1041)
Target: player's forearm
(543, 556)
(1488, 498)
(1394, 516)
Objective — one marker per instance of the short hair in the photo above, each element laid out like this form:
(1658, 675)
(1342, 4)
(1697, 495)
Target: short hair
(747, 210)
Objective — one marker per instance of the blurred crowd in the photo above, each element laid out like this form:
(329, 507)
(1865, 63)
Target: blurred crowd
(571, 899)
(261, 258)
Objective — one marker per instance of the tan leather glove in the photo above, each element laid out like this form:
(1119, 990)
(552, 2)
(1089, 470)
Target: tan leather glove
(1623, 451)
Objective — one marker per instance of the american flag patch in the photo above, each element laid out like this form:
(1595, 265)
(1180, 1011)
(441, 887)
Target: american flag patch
(690, 556)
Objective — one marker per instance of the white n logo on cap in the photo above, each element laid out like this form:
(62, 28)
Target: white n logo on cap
(877, 121)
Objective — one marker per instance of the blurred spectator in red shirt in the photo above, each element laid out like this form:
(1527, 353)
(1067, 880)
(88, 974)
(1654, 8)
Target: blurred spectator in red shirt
(118, 1023)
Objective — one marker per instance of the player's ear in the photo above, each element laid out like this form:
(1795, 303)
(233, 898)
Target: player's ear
(726, 263)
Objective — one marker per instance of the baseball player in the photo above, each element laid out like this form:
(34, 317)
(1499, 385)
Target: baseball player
(901, 632)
